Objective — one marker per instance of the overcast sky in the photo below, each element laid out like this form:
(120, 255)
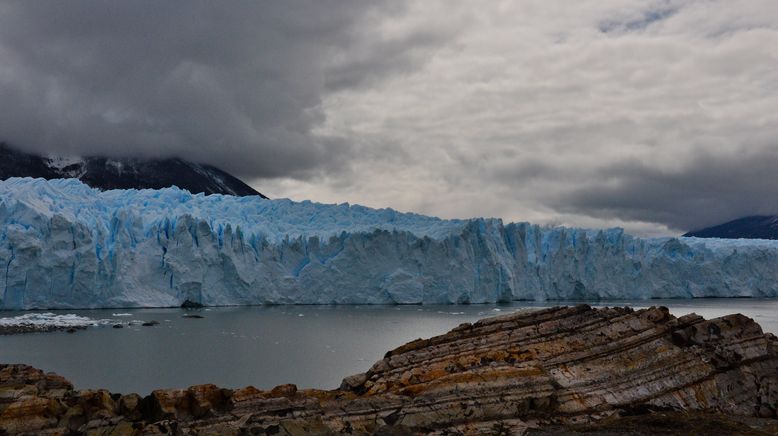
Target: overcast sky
(657, 116)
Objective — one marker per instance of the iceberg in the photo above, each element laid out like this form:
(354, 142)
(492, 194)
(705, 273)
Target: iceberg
(64, 245)
(42, 321)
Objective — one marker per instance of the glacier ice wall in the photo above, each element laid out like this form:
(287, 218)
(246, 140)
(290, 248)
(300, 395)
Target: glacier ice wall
(65, 245)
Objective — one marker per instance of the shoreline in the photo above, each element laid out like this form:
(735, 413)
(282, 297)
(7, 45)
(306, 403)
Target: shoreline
(498, 303)
(16, 322)
(541, 372)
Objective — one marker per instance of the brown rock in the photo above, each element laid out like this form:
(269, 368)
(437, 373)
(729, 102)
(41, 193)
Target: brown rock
(286, 391)
(353, 382)
(167, 404)
(205, 399)
(246, 394)
(97, 404)
(129, 407)
(555, 369)
(29, 413)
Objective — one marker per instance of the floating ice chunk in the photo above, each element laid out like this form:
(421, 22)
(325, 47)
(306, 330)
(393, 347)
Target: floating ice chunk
(52, 320)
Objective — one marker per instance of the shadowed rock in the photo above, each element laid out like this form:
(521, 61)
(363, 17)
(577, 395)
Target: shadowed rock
(550, 370)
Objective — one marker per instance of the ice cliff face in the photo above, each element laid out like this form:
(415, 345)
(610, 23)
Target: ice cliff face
(65, 245)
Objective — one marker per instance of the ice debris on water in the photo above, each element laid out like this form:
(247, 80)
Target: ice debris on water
(49, 319)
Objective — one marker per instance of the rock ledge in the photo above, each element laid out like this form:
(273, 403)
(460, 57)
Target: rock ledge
(544, 371)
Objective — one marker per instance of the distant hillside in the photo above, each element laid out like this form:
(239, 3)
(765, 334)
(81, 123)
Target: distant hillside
(104, 173)
(751, 227)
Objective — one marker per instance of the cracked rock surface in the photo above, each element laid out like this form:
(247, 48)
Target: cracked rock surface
(548, 371)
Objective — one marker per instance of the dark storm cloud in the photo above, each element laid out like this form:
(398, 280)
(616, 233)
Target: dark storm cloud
(704, 192)
(656, 115)
(238, 84)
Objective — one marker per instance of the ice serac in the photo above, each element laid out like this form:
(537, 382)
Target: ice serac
(65, 245)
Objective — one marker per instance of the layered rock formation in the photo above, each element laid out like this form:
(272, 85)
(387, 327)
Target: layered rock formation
(539, 369)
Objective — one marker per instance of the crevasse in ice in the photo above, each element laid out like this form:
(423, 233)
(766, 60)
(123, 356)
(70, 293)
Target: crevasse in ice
(65, 245)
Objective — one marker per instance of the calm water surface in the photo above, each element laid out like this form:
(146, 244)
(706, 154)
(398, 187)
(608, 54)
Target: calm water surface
(311, 346)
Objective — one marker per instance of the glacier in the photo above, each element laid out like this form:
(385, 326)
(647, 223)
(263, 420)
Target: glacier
(66, 245)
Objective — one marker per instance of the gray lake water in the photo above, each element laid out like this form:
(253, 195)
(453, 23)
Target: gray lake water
(311, 346)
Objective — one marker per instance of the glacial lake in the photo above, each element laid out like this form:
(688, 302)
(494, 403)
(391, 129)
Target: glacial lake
(311, 346)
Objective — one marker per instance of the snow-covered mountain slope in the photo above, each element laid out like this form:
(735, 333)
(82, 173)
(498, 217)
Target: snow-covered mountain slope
(104, 173)
(65, 245)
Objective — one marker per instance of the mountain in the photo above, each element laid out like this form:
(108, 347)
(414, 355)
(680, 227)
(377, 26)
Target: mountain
(750, 227)
(66, 245)
(104, 173)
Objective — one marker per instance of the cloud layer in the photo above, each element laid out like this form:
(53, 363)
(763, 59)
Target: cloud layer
(659, 116)
(239, 86)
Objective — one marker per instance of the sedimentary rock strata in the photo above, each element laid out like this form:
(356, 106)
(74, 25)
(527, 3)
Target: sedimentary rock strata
(536, 369)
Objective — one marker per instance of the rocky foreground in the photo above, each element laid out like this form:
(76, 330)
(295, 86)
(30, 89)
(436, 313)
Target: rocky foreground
(556, 371)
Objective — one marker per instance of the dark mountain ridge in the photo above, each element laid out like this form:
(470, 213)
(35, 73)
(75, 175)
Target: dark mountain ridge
(125, 173)
(750, 227)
